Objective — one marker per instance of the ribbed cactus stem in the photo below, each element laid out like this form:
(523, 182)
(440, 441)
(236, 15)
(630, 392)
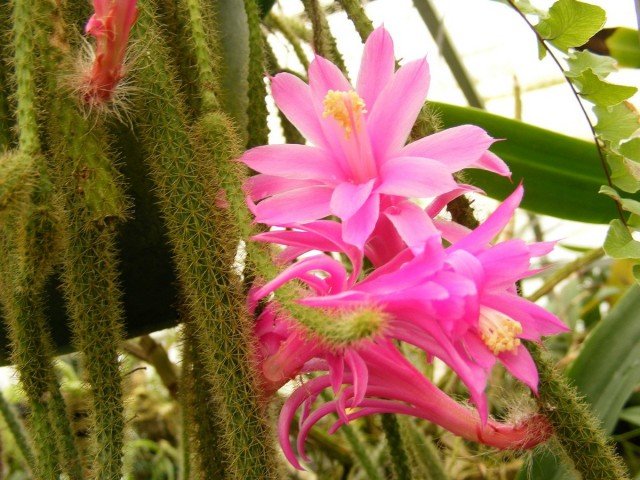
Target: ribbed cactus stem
(397, 450)
(22, 303)
(426, 458)
(93, 204)
(202, 54)
(31, 245)
(25, 63)
(257, 130)
(357, 15)
(17, 431)
(575, 426)
(324, 43)
(204, 249)
(203, 423)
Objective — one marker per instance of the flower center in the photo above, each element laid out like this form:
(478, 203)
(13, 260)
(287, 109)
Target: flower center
(499, 332)
(346, 108)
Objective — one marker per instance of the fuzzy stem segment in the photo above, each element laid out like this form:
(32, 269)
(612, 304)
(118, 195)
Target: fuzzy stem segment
(258, 132)
(575, 427)
(93, 203)
(26, 253)
(399, 457)
(204, 251)
(203, 424)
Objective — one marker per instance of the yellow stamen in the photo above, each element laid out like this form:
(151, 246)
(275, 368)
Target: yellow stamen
(346, 108)
(499, 332)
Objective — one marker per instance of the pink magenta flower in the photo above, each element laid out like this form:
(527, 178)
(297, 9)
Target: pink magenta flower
(110, 25)
(372, 376)
(357, 157)
(457, 303)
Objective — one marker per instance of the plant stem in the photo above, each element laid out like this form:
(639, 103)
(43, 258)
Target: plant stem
(575, 427)
(563, 272)
(397, 450)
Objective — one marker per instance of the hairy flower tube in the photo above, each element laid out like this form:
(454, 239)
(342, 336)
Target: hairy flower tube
(110, 25)
(357, 160)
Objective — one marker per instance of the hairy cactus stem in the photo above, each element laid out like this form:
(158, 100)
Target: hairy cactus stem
(324, 43)
(93, 202)
(202, 423)
(397, 449)
(31, 249)
(204, 250)
(258, 132)
(574, 425)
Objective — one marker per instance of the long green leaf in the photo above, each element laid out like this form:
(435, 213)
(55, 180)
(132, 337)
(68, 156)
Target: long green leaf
(606, 373)
(561, 175)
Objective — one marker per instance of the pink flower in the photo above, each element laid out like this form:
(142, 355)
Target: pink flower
(458, 303)
(110, 25)
(357, 158)
(372, 376)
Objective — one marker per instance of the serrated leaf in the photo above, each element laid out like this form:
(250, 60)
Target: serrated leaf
(619, 242)
(571, 23)
(631, 149)
(627, 204)
(616, 123)
(601, 65)
(595, 90)
(624, 173)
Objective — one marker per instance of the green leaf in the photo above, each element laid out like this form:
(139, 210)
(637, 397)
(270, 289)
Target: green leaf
(631, 149)
(631, 415)
(627, 204)
(595, 90)
(601, 65)
(619, 242)
(624, 46)
(616, 123)
(561, 174)
(625, 173)
(571, 23)
(606, 372)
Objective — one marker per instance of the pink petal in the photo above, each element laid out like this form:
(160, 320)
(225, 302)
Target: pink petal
(293, 161)
(491, 162)
(441, 201)
(487, 231)
(295, 206)
(325, 76)
(357, 228)
(396, 109)
(521, 365)
(377, 66)
(293, 98)
(415, 177)
(457, 148)
(412, 223)
(348, 197)
(261, 186)
(360, 375)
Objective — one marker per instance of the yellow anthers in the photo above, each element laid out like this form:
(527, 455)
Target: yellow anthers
(499, 332)
(346, 108)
